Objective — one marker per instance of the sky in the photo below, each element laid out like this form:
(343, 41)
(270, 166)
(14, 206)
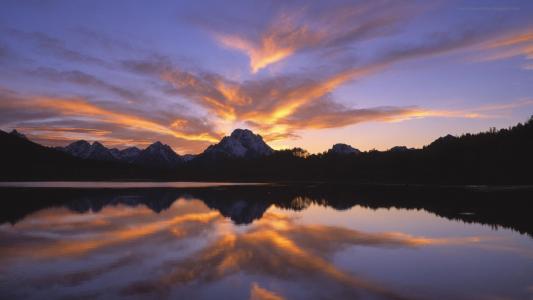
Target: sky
(372, 74)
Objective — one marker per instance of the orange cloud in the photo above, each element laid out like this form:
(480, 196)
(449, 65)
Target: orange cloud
(79, 108)
(281, 40)
(85, 109)
(260, 57)
(520, 44)
(277, 106)
(299, 96)
(59, 136)
(259, 293)
(295, 30)
(325, 114)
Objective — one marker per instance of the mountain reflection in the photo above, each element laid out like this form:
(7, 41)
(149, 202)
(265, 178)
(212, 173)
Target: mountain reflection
(147, 243)
(244, 205)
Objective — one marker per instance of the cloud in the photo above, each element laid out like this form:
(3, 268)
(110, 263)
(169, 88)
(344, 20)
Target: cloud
(277, 106)
(84, 79)
(259, 293)
(280, 104)
(81, 108)
(328, 116)
(264, 100)
(296, 29)
(55, 46)
(517, 44)
(55, 135)
(63, 113)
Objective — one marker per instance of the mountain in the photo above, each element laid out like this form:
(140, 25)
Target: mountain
(158, 155)
(129, 154)
(399, 149)
(241, 143)
(22, 159)
(188, 157)
(493, 157)
(343, 149)
(95, 151)
(14, 132)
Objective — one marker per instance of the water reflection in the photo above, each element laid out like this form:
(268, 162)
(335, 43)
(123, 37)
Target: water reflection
(244, 204)
(247, 243)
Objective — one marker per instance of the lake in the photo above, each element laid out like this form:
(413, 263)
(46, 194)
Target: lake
(275, 241)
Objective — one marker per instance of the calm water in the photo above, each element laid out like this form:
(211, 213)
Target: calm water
(264, 242)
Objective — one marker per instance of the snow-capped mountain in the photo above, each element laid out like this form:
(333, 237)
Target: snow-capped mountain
(241, 143)
(83, 149)
(343, 149)
(158, 154)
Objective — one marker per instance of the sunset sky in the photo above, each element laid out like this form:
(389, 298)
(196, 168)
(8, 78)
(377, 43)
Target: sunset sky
(373, 74)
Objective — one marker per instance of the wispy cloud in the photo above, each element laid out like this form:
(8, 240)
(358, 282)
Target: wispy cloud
(340, 43)
(59, 136)
(513, 45)
(279, 105)
(297, 29)
(259, 293)
(55, 46)
(80, 112)
(85, 79)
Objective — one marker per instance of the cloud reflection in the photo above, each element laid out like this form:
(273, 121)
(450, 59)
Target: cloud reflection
(277, 246)
(189, 244)
(259, 293)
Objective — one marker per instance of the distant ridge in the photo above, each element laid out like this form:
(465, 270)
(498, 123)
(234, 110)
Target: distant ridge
(343, 149)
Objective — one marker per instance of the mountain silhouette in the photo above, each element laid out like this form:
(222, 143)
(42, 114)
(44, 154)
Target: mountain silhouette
(342, 149)
(158, 155)
(155, 155)
(492, 157)
(241, 143)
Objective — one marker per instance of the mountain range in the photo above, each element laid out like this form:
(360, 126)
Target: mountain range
(242, 143)
(157, 154)
(493, 157)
